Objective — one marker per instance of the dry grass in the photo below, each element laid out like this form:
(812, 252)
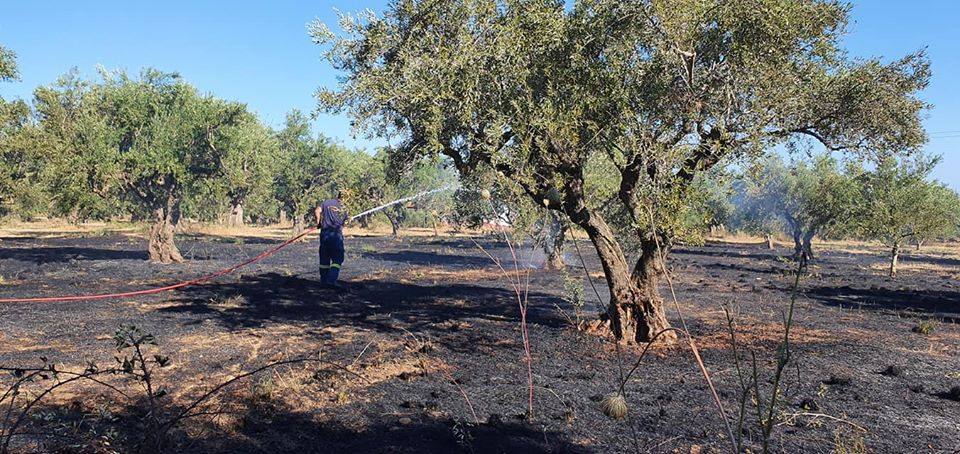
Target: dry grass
(56, 228)
(412, 274)
(945, 271)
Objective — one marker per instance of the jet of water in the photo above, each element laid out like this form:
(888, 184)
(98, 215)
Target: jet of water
(405, 199)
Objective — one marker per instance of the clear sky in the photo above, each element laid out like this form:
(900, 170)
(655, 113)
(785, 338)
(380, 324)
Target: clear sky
(259, 52)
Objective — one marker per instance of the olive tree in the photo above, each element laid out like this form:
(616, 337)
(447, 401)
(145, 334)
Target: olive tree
(8, 65)
(301, 168)
(663, 89)
(133, 145)
(815, 199)
(18, 168)
(899, 204)
(249, 165)
(940, 218)
(757, 195)
(311, 168)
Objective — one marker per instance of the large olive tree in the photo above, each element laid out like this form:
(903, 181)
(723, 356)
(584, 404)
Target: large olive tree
(133, 145)
(19, 170)
(664, 89)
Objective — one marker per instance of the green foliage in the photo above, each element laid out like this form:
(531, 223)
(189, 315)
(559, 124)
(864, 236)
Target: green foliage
(573, 293)
(924, 327)
(389, 180)
(19, 172)
(664, 91)
(818, 198)
(248, 165)
(8, 65)
(126, 145)
(311, 169)
(804, 199)
(900, 203)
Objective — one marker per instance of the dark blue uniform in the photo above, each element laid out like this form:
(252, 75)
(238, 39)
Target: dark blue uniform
(332, 218)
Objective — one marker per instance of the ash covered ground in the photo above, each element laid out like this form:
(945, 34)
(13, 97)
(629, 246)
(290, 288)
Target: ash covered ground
(432, 327)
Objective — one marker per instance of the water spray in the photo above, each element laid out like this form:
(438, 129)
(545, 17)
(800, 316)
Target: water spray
(405, 199)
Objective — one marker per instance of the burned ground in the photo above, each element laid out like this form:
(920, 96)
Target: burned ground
(431, 326)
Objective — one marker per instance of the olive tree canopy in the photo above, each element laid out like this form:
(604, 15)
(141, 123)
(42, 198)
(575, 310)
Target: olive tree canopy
(133, 145)
(900, 203)
(662, 89)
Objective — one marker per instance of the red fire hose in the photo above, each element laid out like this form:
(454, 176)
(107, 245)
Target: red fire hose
(168, 288)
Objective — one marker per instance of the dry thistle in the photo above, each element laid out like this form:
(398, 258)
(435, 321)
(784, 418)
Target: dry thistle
(485, 194)
(614, 405)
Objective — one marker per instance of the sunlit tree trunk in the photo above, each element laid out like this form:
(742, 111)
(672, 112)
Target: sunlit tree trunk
(394, 219)
(894, 258)
(808, 245)
(635, 314)
(236, 215)
(162, 248)
(298, 224)
(769, 239)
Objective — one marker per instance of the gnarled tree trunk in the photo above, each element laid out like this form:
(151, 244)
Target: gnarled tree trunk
(802, 248)
(894, 258)
(236, 214)
(556, 234)
(162, 248)
(636, 312)
(298, 224)
(394, 217)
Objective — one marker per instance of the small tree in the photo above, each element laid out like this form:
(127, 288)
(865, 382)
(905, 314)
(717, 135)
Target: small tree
(554, 237)
(940, 218)
(663, 90)
(816, 199)
(249, 166)
(899, 204)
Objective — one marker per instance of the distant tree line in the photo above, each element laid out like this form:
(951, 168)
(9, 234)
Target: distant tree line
(890, 199)
(153, 148)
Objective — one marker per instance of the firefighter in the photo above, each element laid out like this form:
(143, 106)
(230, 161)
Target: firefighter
(331, 215)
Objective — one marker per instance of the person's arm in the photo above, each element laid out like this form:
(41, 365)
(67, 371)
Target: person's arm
(318, 213)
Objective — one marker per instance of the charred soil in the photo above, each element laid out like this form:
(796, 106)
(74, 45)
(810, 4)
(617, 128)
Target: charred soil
(432, 327)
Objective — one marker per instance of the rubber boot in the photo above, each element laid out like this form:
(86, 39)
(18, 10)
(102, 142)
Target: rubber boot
(331, 277)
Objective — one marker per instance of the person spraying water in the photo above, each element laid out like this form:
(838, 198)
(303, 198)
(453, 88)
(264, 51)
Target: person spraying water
(331, 217)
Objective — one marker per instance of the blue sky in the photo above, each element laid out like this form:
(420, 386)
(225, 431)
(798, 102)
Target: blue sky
(259, 52)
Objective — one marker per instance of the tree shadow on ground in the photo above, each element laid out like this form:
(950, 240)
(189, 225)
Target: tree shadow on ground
(292, 431)
(943, 304)
(932, 260)
(229, 239)
(271, 424)
(54, 254)
(420, 258)
(733, 251)
(376, 305)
